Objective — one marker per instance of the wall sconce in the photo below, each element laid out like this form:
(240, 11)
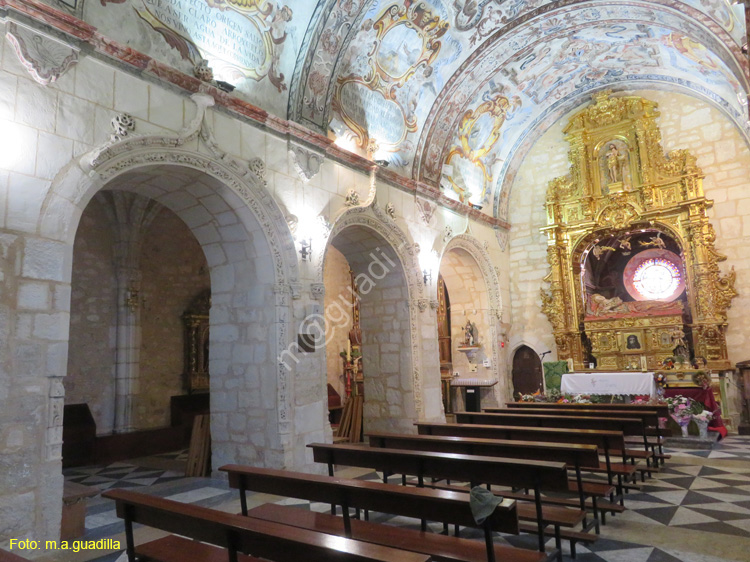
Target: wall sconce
(305, 249)
(426, 275)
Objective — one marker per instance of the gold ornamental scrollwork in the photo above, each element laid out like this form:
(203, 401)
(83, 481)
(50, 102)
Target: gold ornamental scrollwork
(621, 183)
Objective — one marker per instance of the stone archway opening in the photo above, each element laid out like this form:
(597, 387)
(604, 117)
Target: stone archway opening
(240, 267)
(471, 328)
(384, 321)
(138, 276)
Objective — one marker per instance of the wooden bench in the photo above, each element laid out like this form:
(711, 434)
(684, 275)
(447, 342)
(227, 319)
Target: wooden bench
(6, 556)
(628, 426)
(223, 536)
(532, 475)
(576, 457)
(659, 433)
(606, 441)
(648, 418)
(436, 505)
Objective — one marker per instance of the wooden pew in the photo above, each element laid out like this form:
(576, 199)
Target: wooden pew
(223, 536)
(6, 556)
(628, 426)
(577, 457)
(662, 411)
(650, 419)
(532, 475)
(436, 505)
(606, 441)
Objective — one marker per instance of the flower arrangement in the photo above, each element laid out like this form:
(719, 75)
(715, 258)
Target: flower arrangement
(704, 416)
(680, 406)
(661, 380)
(668, 363)
(526, 397)
(702, 379)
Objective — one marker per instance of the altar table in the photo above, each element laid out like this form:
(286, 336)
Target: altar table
(608, 383)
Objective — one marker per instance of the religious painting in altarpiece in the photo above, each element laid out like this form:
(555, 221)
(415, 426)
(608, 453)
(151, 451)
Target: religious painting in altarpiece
(630, 247)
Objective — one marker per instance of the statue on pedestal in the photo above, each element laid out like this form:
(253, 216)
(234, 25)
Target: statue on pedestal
(471, 335)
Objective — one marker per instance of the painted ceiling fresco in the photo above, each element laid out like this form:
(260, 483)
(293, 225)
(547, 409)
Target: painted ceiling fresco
(448, 92)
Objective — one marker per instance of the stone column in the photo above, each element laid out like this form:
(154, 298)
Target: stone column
(131, 215)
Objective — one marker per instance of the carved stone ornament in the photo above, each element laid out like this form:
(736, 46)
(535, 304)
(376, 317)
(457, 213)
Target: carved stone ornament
(622, 186)
(46, 59)
(422, 304)
(434, 304)
(426, 210)
(258, 167)
(123, 124)
(306, 162)
(203, 72)
(296, 289)
(317, 291)
(448, 233)
(390, 210)
(292, 222)
(352, 198)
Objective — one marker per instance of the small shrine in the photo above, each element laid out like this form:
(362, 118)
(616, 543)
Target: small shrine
(634, 277)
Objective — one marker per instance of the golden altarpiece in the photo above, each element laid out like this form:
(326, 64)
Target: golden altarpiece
(634, 275)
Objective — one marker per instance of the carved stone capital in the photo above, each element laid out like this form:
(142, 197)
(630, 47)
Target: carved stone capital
(317, 291)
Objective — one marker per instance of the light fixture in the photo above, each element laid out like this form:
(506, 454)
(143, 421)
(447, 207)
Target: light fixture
(383, 163)
(426, 275)
(305, 250)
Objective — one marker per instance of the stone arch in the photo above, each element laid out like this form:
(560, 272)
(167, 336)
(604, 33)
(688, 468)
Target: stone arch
(254, 228)
(475, 256)
(380, 226)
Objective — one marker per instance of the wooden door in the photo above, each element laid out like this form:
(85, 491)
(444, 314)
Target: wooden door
(527, 372)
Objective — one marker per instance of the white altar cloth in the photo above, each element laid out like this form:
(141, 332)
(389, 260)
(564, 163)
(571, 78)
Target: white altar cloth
(608, 383)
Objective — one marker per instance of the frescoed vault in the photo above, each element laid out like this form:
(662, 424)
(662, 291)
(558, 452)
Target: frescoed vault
(446, 92)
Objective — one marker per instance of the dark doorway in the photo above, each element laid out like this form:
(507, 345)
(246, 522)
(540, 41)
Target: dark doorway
(527, 371)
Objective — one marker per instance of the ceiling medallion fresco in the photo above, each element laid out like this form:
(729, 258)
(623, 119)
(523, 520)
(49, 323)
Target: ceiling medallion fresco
(371, 100)
(468, 170)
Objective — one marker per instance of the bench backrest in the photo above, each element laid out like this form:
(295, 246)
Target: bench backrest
(629, 426)
(661, 409)
(605, 440)
(649, 417)
(421, 503)
(574, 455)
(461, 468)
(265, 539)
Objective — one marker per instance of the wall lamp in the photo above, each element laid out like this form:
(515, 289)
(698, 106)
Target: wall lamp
(426, 275)
(305, 249)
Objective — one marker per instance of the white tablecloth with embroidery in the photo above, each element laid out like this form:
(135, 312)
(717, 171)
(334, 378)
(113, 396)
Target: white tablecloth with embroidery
(608, 383)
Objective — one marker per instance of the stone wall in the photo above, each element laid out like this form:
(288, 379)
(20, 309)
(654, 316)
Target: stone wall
(174, 272)
(93, 317)
(260, 414)
(338, 298)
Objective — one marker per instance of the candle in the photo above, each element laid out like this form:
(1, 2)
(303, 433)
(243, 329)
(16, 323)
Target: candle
(348, 350)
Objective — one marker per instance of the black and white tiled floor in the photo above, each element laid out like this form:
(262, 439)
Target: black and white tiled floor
(700, 498)
(125, 474)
